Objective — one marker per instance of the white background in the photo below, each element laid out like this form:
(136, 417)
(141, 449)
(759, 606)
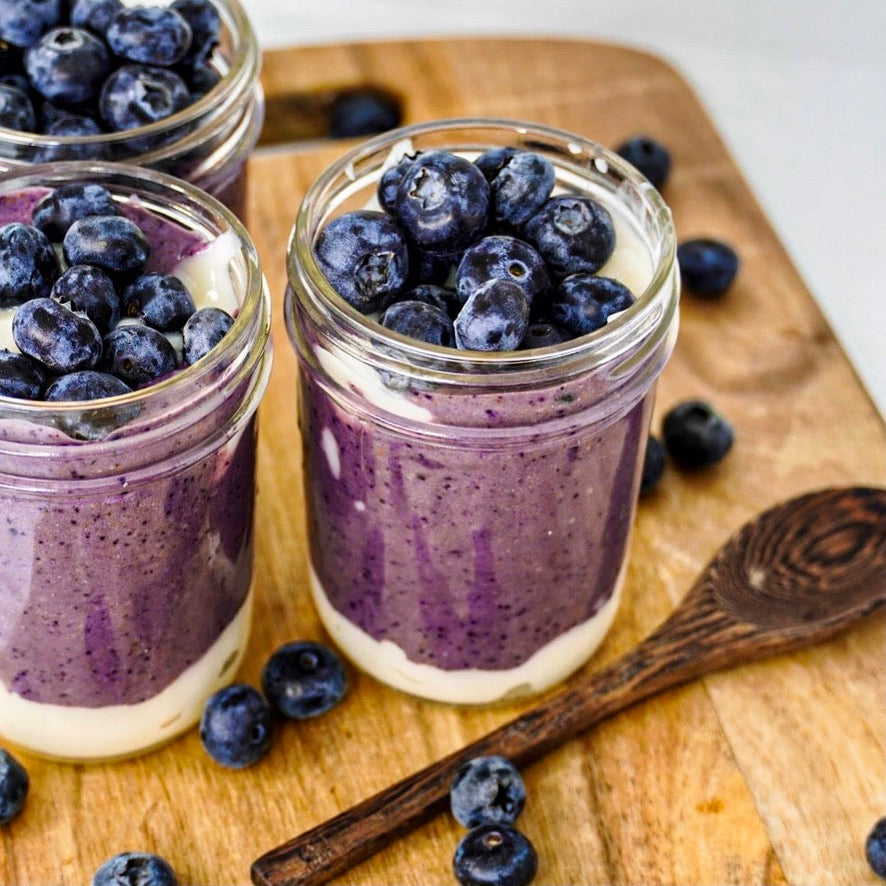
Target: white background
(796, 88)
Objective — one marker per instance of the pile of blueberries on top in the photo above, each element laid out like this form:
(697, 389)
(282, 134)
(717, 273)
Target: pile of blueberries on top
(93, 66)
(92, 324)
(480, 255)
(525, 261)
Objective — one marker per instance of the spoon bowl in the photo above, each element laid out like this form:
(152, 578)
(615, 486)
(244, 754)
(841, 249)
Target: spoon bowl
(801, 564)
(795, 575)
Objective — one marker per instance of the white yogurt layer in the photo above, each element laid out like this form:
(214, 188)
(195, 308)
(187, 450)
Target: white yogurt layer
(387, 662)
(207, 273)
(80, 733)
(351, 373)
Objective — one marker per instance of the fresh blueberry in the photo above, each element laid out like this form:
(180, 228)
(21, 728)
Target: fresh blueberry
(494, 318)
(653, 465)
(500, 257)
(137, 95)
(649, 156)
(487, 790)
(362, 112)
(53, 334)
(89, 290)
(541, 334)
(520, 187)
(94, 15)
(28, 264)
(135, 869)
(695, 434)
(149, 35)
(235, 728)
(573, 233)
(68, 65)
(442, 202)
(13, 786)
(364, 256)
(200, 78)
(19, 81)
(429, 267)
(60, 208)
(389, 181)
(51, 112)
(584, 302)
(441, 296)
(420, 320)
(86, 384)
(21, 376)
(73, 126)
(203, 330)
(22, 22)
(875, 848)
(494, 855)
(707, 266)
(158, 300)
(137, 354)
(493, 160)
(303, 679)
(16, 109)
(110, 242)
(205, 23)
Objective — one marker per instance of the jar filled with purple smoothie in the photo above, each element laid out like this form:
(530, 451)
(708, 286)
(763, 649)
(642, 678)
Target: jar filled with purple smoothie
(470, 503)
(174, 87)
(125, 575)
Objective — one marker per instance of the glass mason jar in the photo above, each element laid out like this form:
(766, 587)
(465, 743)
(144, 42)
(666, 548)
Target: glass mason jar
(206, 143)
(469, 513)
(125, 577)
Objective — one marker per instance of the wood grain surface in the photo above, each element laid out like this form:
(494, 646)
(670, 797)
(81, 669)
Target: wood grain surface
(772, 773)
(832, 540)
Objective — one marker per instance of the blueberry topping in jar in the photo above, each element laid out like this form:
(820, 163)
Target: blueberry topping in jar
(28, 264)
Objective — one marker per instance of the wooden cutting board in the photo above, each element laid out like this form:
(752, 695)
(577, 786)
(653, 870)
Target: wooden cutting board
(772, 773)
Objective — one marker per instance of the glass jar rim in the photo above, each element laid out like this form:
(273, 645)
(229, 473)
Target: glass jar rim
(237, 81)
(121, 178)
(598, 347)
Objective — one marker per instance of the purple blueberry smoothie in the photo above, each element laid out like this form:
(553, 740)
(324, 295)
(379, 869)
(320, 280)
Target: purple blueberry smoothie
(467, 538)
(125, 591)
(469, 514)
(135, 566)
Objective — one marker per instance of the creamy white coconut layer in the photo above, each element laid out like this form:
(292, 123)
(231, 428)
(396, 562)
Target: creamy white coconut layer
(81, 733)
(387, 662)
(207, 273)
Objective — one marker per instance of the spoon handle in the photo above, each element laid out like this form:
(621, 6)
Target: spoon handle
(660, 661)
(797, 574)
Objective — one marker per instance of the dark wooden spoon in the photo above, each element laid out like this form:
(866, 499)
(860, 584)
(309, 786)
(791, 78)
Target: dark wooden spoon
(796, 574)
